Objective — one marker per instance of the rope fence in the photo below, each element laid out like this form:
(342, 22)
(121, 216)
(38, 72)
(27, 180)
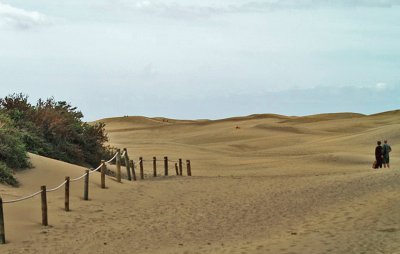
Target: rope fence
(130, 166)
(58, 187)
(22, 199)
(95, 170)
(110, 160)
(78, 178)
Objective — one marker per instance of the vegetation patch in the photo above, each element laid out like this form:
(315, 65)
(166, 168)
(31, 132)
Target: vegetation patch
(50, 128)
(7, 176)
(12, 151)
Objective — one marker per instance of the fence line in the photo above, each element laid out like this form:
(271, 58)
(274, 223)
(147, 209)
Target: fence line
(51, 190)
(58, 187)
(78, 178)
(21, 199)
(129, 164)
(97, 169)
(110, 160)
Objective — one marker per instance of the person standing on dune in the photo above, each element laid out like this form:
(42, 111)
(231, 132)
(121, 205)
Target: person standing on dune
(378, 155)
(386, 149)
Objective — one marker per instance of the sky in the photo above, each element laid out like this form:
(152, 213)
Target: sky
(193, 59)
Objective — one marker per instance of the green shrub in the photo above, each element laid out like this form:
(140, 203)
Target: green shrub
(12, 148)
(55, 129)
(12, 151)
(35, 143)
(6, 175)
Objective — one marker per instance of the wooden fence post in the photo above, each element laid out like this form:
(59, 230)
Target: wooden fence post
(118, 162)
(44, 206)
(189, 168)
(176, 169)
(154, 166)
(103, 174)
(141, 168)
(67, 194)
(165, 165)
(180, 167)
(133, 170)
(126, 157)
(2, 231)
(86, 187)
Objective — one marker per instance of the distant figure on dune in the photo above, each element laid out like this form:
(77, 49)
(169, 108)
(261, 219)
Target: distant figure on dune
(378, 155)
(386, 149)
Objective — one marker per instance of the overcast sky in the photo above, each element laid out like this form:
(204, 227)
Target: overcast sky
(203, 59)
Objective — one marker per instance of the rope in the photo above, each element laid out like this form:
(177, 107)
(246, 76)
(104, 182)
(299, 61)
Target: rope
(115, 156)
(23, 198)
(56, 188)
(135, 163)
(168, 160)
(78, 178)
(62, 184)
(94, 170)
(160, 160)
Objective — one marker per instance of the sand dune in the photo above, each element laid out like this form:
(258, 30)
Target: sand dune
(261, 184)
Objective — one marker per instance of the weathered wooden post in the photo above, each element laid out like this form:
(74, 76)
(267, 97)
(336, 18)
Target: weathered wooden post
(154, 166)
(176, 169)
(2, 231)
(128, 171)
(118, 162)
(86, 186)
(133, 170)
(103, 174)
(180, 167)
(44, 206)
(165, 165)
(67, 179)
(141, 168)
(189, 168)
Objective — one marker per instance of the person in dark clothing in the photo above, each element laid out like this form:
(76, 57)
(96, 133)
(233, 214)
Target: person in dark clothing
(378, 155)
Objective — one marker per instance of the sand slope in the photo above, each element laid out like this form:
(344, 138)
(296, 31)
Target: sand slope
(275, 184)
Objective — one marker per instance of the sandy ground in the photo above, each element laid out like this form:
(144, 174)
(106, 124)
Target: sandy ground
(275, 184)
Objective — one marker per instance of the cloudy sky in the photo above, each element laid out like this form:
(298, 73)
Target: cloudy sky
(203, 59)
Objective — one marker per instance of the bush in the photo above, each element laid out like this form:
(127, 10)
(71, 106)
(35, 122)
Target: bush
(55, 129)
(12, 151)
(50, 128)
(12, 148)
(6, 175)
